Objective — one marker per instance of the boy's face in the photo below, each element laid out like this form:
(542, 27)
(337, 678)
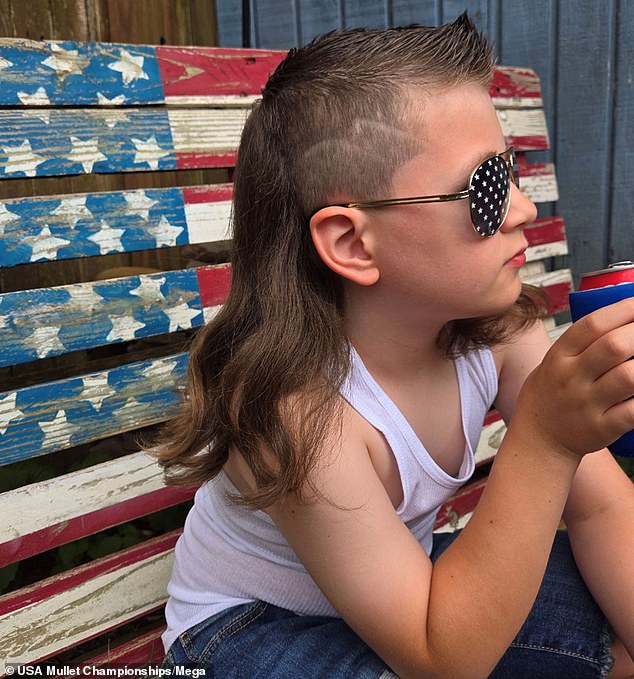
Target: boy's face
(431, 253)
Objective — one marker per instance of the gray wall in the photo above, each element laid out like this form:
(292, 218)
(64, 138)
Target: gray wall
(583, 51)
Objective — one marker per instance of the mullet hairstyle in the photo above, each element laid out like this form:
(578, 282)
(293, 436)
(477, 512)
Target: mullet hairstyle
(334, 123)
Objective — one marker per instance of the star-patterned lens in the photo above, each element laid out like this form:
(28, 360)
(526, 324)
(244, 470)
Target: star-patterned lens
(489, 195)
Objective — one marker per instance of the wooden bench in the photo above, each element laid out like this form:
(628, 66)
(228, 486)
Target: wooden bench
(96, 355)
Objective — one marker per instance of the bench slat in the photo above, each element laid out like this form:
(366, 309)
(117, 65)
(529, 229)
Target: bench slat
(55, 614)
(53, 321)
(61, 142)
(57, 415)
(146, 649)
(65, 73)
(90, 224)
(50, 513)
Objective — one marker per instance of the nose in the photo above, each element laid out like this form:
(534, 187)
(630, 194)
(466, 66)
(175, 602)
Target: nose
(522, 210)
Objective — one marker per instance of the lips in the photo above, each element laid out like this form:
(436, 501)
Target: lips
(519, 258)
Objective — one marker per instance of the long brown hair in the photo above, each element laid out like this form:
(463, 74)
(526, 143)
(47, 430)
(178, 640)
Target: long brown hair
(331, 124)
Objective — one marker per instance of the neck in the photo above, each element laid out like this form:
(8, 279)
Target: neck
(392, 343)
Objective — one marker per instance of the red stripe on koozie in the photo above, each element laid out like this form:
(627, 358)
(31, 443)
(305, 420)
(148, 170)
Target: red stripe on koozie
(214, 283)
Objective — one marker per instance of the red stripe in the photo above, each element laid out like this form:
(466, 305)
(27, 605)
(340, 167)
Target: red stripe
(214, 283)
(147, 649)
(90, 523)
(57, 584)
(515, 83)
(212, 193)
(195, 71)
(463, 502)
(192, 161)
(528, 142)
(558, 297)
(546, 230)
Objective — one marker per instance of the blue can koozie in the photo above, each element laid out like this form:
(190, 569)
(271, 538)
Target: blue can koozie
(596, 290)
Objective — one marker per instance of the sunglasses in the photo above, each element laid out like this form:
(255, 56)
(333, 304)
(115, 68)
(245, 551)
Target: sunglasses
(489, 194)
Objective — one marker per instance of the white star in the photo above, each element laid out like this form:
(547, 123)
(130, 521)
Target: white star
(112, 116)
(148, 151)
(44, 246)
(96, 390)
(102, 100)
(140, 203)
(107, 238)
(158, 371)
(6, 217)
(123, 328)
(130, 67)
(5, 63)
(22, 159)
(8, 411)
(181, 316)
(84, 297)
(65, 62)
(164, 232)
(131, 405)
(149, 288)
(45, 340)
(85, 152)
(72, 209)
(58, 431)
(37, 98)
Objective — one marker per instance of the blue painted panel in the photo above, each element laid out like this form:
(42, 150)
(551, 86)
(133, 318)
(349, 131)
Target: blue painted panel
(621, 236)
(58, 415)
(534, 47)
(65, 142)
(318, 18)
(229, 15)
(275, 25)
(584, 121)
(53, 321)
(78, 74)
(406, 12)
(366, 13)
(64, 227)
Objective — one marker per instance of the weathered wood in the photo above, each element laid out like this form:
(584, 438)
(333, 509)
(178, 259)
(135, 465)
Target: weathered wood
(50, 513)
(58, 415)
(145, 650)
(39, 621)
(52, 321)
(84, 225)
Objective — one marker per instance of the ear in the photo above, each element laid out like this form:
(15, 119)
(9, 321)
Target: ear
(344, 243)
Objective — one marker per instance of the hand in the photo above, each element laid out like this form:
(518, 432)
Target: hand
(577, 398)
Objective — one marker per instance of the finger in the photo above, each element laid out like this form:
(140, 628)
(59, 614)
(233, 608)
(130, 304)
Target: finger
(596, 324)
(616, 385)
(614, 348)
(621, 417)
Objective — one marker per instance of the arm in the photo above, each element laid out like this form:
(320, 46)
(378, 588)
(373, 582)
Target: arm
(599, 512)
(458, 618)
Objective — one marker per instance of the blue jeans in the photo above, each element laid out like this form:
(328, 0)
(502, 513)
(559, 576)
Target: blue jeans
(564, 637)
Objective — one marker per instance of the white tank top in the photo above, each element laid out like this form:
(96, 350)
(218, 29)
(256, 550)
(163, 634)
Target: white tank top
(230, 555)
